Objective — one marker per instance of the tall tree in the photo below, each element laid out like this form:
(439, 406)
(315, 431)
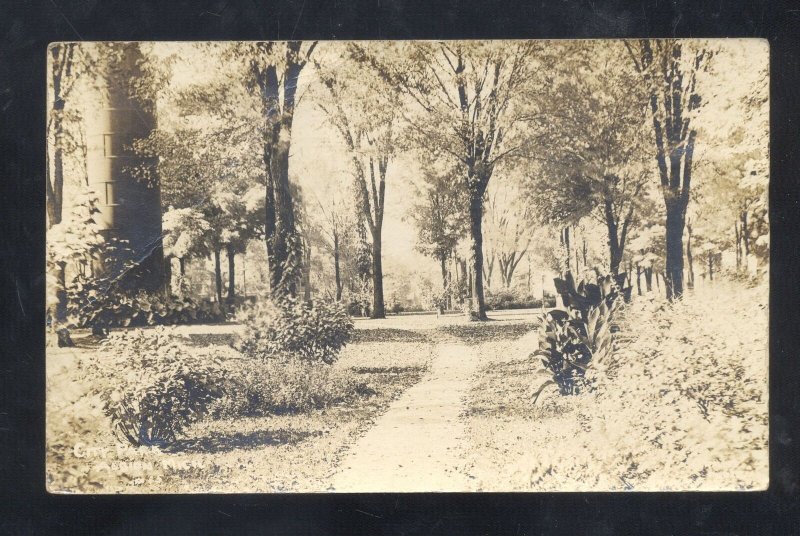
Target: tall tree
(208, 173)
(185, 232)
(466, 103)
(364, 111)
(72, 73)
(729, 201)
(333, 229)
(261, 111)
(594, 160)
(440, 217)
(509, 231)
(275, 69)
(66, 62)
(669, 69)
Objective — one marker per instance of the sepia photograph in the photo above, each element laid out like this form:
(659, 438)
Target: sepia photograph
(407, 266)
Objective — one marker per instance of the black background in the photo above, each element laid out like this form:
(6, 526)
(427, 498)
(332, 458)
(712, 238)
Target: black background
(26, 27)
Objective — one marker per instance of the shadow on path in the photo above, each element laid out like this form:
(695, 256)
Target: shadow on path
(478, 332)
(387, 335)
(224, 442)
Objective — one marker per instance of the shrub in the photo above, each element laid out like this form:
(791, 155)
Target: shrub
(286, 385)
(290, 327)
(571, 340)
(156, 386)
(514, 299)
(91, 304)
(569, 344)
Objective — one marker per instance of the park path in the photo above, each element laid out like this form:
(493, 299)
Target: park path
(416, 444)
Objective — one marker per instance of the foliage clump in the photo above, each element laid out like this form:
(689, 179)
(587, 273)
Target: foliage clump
(93, 305)
(696, 371)
(314, 332)
(285, 385)
(155, 386)
(513, 298)
(288, 345)
(571, 340)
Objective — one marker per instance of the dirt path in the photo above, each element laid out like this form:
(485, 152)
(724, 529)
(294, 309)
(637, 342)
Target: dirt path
(416, 444)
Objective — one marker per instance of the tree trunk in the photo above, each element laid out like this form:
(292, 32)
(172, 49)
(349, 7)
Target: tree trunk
(745, 236)
(511, 267)
(307, 272)
(503, 265)
(676, 212)
(181, 276)
(614, 249)
(460, 272)
(60, 320)
(565, 243)
(218, 275)
(738, 237)
(336, 269)
(378, 308)
(648, 278)
(55, 199)
(454, 279)
(489, 269)
(478, 304)
(167, 275)
(585, 262)
(710, 267)
(466, 278)
(529, 275)
(445, 282)
(638, 279)
(285, 263)
(283, 244)
(231, 274)
(689, 259)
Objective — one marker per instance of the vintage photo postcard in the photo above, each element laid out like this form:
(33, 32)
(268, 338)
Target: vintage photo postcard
(411, 266)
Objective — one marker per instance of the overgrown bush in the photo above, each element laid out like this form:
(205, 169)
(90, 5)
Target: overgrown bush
(285, 385)
(685, 404)
(571, 340)
(155, 386)
(514, 299)
(290, 327)
(569, 344)
(93, 304)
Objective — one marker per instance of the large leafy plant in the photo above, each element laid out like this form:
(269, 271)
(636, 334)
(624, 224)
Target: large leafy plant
(570, 341)
(99, 305)
(153, 386)
(588, 294)
(287, 326)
